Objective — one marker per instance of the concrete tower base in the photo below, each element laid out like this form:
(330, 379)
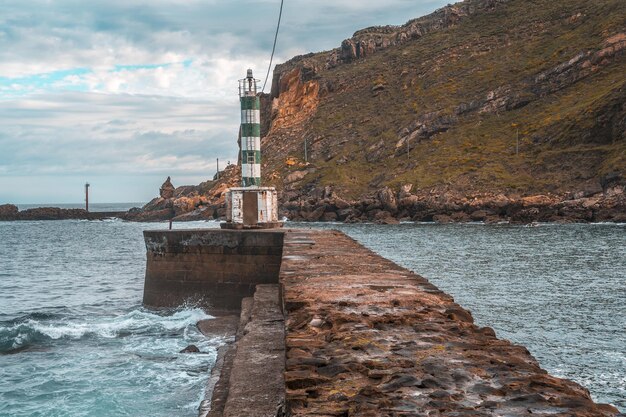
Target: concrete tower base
(251, 208)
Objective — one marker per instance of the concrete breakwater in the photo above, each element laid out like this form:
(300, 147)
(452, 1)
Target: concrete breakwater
(337, 330)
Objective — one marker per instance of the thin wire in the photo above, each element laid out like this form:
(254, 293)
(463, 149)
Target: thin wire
(269, 68)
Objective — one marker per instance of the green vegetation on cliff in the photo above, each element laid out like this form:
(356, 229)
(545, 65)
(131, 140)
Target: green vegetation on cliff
(446, 105)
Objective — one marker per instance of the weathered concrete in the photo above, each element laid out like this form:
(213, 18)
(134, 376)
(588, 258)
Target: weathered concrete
(216, 268)
(257, 387)
(365, 337)
(224, 326)
(342, 331)
(251, 370)
(217, 385)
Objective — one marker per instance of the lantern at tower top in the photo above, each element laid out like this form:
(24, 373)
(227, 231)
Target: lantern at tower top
(248, 85)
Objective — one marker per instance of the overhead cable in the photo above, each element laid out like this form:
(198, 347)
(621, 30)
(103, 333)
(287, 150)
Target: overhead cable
(269, 68)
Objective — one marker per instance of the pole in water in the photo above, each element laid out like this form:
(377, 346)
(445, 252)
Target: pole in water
(87, 197)
(170, 224)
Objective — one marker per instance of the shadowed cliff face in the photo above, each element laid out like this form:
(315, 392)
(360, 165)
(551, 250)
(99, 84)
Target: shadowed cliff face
(296, 102)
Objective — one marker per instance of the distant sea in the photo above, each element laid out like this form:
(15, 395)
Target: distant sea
(75, 340)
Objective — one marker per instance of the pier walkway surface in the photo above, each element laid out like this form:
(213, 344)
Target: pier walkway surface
(367, 337)
(345, 332)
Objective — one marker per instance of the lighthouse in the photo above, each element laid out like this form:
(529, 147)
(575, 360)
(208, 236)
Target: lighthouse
(250, 132)
(251, 206)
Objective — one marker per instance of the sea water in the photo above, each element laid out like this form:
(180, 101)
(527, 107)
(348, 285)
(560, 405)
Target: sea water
(75, 340)
(74, 337)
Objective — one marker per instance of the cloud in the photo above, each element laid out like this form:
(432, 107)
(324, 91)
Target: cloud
(97, 133)
(148, 87)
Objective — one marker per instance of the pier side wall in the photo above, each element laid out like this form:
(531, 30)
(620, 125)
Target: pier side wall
(216, 268)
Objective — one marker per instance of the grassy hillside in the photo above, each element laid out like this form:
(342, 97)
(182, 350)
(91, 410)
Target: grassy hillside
(447, 108)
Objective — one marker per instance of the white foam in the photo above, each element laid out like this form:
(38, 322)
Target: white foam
(110, 327)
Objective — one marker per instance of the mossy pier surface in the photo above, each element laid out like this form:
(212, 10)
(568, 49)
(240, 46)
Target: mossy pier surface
(342, 331)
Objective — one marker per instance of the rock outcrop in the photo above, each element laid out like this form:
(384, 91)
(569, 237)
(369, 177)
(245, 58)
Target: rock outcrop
(448, 206)
(366, 42)
(167, 189)
(10, 212)
(189, 203)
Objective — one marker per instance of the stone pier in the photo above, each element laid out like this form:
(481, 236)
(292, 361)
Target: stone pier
(341, 331)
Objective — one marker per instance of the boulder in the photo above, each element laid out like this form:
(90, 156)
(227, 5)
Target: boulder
(460, 217)
(315, 215)
(8, 212)
(343, 214)
(329, 216)
(295, 176)
(184, 205)
(341, 204)
(384, 217)
(408, 202)
(405, 191)
(442, 218)
(523, 216)
(537, 201)
(191, 349)
(479, 215)
(167, 189)
(388, 200)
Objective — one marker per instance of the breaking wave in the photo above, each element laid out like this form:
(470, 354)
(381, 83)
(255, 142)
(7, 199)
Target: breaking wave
(40, 329)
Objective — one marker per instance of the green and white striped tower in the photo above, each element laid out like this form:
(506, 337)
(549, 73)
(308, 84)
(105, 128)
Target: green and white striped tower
(250, 132)
(251, 206)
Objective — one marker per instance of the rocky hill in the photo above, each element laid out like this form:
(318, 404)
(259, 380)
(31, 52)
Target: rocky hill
(483, 110)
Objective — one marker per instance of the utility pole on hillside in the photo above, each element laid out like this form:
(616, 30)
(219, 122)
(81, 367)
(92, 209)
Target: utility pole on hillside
(516, 126)
(408, 147)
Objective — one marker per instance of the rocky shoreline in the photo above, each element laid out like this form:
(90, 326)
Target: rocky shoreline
(604, 203)
(10, 212)
(388, 207)
(383, 208)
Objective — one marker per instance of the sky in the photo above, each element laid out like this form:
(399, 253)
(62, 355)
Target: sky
(123, 93)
